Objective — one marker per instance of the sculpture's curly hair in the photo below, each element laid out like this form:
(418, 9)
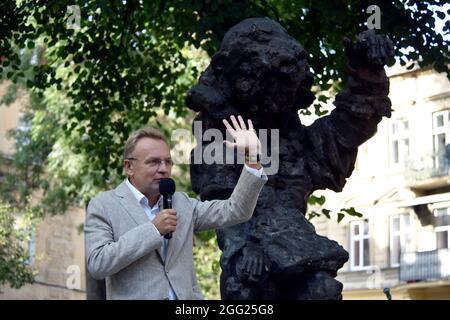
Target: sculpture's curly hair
(259, 68)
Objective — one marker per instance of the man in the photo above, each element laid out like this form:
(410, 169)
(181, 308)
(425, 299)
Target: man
(124, 227)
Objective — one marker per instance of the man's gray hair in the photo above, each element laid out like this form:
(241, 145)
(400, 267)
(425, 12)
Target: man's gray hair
(135, 136)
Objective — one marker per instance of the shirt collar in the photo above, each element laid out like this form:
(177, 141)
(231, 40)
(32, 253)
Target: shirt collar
(140, 197)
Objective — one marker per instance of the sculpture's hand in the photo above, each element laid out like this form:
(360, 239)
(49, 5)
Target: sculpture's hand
(253, 264)
(245, 140)
(370, 48)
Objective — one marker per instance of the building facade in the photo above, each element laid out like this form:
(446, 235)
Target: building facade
(401, 184)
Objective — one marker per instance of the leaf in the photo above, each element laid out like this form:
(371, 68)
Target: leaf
(410, 66)
(340, 216)
(440, 14)
(326, 213)
(352, 212)
(312, 215)
(323, 98)
(312, 200)
(321, 200)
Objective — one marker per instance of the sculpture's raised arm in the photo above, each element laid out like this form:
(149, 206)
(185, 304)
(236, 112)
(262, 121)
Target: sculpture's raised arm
(365, 100)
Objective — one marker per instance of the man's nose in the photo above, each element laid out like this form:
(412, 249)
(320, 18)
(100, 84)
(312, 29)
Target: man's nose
(163, 167)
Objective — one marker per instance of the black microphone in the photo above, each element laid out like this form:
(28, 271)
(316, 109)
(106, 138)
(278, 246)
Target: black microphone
(167, 189)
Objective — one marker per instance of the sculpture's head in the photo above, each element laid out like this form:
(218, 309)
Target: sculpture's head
(259, 67)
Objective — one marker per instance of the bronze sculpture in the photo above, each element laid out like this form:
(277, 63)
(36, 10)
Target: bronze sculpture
(262, 73)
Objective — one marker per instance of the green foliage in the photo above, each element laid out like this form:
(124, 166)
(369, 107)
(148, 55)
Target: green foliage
(340, 216)
(312, 200)
(114, 75)
(10, 96)
(126, 53)
(45, 161)
(317, 204)
(207, 256)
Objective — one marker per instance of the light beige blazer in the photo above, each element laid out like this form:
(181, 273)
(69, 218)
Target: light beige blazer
(124, 247)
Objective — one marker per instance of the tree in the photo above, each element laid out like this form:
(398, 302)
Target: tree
(15, 231)
(124, 59)
(124, 64)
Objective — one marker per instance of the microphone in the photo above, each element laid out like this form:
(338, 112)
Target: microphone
(167, 189)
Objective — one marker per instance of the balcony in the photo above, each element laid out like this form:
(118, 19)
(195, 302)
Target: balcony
(428, 172)
(425, 266)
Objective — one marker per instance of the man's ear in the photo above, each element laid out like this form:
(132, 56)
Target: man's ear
(127, 167)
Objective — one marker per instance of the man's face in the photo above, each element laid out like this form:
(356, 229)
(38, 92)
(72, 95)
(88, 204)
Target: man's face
(149, 162)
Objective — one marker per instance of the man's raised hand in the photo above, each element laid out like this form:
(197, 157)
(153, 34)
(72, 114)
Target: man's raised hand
(245, 140)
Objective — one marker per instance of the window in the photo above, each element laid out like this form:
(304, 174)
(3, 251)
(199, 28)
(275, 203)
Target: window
(441, 137)
(31, 248)
(442, 228)
(400, 237)
(399, 142)
(359, 245)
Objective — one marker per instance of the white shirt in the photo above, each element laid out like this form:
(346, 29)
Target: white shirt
(151, 213)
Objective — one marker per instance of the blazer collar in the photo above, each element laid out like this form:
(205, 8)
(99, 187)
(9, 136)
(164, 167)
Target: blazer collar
(130, 203)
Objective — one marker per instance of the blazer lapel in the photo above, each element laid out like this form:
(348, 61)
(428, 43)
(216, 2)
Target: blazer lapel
(130, 204)
(133, 208)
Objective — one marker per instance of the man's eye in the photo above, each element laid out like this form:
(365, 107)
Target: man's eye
(157, 162)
